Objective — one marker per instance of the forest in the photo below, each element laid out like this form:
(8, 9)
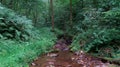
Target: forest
(59, 33)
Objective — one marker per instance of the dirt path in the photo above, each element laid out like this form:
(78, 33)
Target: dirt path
(65, 58)
(68, 59)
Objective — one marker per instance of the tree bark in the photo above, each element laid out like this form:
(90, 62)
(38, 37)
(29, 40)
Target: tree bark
(71, 12)
(52, 14)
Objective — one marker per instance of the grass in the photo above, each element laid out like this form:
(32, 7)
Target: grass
(20, 54)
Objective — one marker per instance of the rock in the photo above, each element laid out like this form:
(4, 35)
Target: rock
(33, 64)
(52, 54)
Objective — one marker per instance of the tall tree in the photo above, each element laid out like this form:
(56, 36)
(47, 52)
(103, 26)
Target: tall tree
(52, 14)
(71, 12)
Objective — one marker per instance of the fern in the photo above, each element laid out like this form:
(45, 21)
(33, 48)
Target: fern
(13, 26)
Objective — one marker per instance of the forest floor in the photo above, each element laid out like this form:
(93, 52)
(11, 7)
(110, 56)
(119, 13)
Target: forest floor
(65, 58)
(69, 59)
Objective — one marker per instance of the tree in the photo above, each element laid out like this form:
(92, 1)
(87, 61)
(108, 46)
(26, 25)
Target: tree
(32, 9)
(52, 14)
(71, 12)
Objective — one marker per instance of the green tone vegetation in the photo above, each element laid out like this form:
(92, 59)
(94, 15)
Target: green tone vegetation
(20, 54)
(20, 42)
(25, 28)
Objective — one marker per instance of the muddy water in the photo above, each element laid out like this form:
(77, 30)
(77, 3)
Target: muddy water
(68, 59)
(60, 59)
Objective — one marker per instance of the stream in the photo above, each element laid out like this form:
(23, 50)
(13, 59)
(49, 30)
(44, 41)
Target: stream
(63, 57)
(69, 59)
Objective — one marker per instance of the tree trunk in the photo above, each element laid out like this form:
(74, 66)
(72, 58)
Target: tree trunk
(52, 14)
(71, 12)
(35, 18)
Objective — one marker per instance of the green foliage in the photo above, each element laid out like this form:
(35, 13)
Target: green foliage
(99, 30)
(13, 26)
(95, 26)
(112, 18)
(20, 54)
(16, 27)
(36, 10)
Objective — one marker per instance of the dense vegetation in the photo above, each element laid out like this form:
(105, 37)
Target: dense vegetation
(29, 27)
(13, 26)
(20, 41)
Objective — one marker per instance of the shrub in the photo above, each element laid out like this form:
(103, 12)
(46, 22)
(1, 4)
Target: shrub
(100, 34)
(20, 54)
(13, 26)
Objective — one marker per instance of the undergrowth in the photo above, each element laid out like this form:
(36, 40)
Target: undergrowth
(20, 54)
(14, 26)
(100, 36)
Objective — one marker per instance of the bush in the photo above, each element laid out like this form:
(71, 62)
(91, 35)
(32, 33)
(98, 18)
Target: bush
(13, 26)
(20, 54)
(100, 34)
